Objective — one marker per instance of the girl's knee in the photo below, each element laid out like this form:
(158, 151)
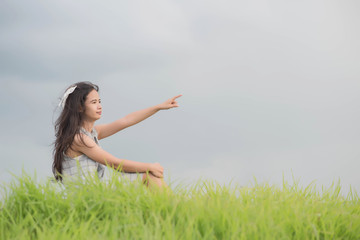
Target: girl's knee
(152, 180)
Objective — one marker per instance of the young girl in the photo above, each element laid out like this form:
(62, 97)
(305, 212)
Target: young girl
(76, 148)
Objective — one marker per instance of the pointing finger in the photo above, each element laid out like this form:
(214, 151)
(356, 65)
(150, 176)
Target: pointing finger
(177, 96)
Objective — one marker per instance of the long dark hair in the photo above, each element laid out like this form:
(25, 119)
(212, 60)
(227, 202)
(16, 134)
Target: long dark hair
(69, 123)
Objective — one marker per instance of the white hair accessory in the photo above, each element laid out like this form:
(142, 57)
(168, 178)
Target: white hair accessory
(66, 94)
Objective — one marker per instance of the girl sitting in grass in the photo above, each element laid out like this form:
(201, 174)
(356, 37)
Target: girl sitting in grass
(76, 149)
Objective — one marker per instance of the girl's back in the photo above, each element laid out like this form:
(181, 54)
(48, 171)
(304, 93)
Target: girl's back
(82, 166)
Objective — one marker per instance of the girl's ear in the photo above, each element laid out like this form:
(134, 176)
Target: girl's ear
(80, 109)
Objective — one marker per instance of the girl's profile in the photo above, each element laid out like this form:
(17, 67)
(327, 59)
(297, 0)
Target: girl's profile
(76, 147)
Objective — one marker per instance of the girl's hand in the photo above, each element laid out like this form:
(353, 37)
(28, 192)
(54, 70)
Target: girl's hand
(170, 103)
(157, 170)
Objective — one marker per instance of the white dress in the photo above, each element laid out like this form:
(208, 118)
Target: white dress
(82, 166)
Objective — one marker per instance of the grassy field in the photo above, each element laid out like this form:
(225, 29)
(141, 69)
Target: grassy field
(206, 210)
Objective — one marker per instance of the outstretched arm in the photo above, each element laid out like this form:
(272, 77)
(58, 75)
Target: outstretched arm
(106, 130)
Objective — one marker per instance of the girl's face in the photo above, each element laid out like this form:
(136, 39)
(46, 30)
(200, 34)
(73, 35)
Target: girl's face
(93, 107)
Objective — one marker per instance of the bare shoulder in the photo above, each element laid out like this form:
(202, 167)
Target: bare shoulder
(98, 129)
(82, 140)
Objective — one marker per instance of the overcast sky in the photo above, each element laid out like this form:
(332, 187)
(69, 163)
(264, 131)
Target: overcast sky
(269, 87)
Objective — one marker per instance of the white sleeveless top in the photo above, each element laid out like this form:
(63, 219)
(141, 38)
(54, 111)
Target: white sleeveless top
(82, 166)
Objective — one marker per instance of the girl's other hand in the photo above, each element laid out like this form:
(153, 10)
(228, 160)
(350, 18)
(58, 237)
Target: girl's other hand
(157, 170)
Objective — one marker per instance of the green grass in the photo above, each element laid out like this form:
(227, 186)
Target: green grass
(204, 210)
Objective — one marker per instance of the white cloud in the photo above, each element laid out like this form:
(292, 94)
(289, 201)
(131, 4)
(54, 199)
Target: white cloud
(321, 164)
(22, 153)
(266, 86)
